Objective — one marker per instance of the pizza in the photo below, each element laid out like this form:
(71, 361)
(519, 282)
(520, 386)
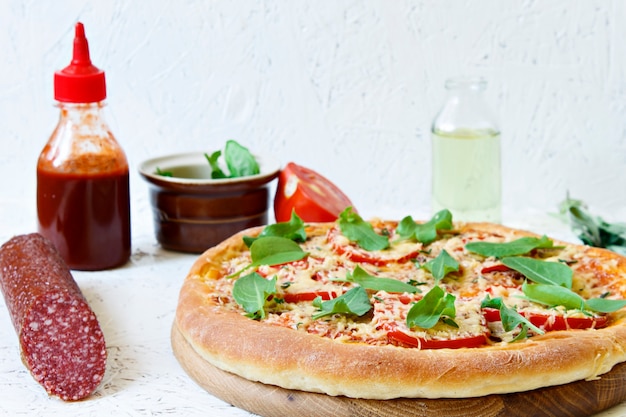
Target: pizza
(379, 309)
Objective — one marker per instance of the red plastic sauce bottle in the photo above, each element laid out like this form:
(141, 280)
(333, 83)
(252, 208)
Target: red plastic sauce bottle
(83, 203)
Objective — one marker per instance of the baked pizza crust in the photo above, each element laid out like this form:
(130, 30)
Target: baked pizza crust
(300, 361)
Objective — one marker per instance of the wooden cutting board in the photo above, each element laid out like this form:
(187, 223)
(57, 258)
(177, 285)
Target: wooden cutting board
(577, 399)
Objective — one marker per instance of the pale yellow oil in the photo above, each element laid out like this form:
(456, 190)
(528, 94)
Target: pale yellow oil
(466, 174)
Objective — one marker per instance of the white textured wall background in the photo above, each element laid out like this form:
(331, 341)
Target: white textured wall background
(348, 88)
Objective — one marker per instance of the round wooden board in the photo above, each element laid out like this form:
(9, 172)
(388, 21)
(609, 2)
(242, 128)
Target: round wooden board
(577, 399)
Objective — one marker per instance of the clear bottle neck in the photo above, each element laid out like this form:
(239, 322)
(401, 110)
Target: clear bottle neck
(465, 108)
(81, 106)
(95, 109)
(84, 118)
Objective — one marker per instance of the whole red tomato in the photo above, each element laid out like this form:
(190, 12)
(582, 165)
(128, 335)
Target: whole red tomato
(313, 197)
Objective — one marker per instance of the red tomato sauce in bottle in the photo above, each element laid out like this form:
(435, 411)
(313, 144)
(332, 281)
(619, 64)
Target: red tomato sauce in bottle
(83, 203)
(86, 217)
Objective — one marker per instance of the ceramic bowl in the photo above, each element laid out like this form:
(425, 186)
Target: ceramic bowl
(193, 212)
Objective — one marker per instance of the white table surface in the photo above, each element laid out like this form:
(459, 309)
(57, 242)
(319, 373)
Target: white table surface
(135, 305)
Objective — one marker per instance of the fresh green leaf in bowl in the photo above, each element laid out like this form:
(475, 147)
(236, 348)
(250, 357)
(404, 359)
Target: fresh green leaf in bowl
(216, 170)
(162, 173)
(239, 161)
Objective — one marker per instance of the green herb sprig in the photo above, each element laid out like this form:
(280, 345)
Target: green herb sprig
(553, 286)
(511, 319)
(435, 305)
(425, 232)
(251, 292)
(516, 247)
(441, 266)
(540, 271)
(593, 230)
(361, 277)
(554, 295)
(354, 301)
(292, 229)
(358, 230)
(273, 250)
(552, 281)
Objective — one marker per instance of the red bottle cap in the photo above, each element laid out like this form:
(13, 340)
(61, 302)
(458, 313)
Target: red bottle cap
(80, 82)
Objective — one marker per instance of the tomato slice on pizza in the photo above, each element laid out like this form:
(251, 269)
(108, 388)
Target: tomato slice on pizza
(399, 338)
(397, 252)
(291, 297)
(551, 322)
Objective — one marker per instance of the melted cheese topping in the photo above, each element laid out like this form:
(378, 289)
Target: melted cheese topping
(332, 257)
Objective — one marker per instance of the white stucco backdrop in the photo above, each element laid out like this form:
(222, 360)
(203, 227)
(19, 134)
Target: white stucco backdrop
(348, 88)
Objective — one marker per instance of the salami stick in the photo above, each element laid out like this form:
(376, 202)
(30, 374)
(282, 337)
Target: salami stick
(60, 338)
